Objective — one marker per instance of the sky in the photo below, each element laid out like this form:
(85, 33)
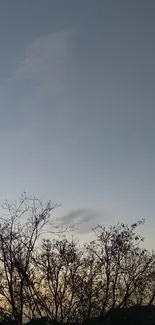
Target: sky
(77, 108)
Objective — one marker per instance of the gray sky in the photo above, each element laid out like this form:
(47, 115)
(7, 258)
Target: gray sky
(77, 107)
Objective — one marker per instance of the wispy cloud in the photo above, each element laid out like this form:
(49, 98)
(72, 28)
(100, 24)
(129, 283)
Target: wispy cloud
(37, 85)
(42, 66)
(83, 219)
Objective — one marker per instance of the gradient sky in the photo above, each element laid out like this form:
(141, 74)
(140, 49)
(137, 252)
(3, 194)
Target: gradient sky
(77, 108)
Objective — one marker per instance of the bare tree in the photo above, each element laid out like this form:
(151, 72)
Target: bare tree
(58, 263)
(122, 264)
(19, 233)
(41, 276)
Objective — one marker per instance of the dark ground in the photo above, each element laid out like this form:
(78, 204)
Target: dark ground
(142, 315)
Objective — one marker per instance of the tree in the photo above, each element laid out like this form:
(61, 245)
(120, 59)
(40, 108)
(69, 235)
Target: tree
(57, 266)
(123, 266)
(19, 233)
(55, 279)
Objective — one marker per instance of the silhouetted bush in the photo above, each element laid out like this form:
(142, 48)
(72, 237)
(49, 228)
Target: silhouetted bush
(39, 321)
(138, 315)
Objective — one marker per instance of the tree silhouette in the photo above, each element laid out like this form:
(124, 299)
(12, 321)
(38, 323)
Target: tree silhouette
(19, 233)
(44, 278)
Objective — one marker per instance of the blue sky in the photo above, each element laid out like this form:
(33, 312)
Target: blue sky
(77, 108)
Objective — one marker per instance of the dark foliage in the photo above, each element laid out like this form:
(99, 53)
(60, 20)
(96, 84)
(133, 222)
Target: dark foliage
(138, 315)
